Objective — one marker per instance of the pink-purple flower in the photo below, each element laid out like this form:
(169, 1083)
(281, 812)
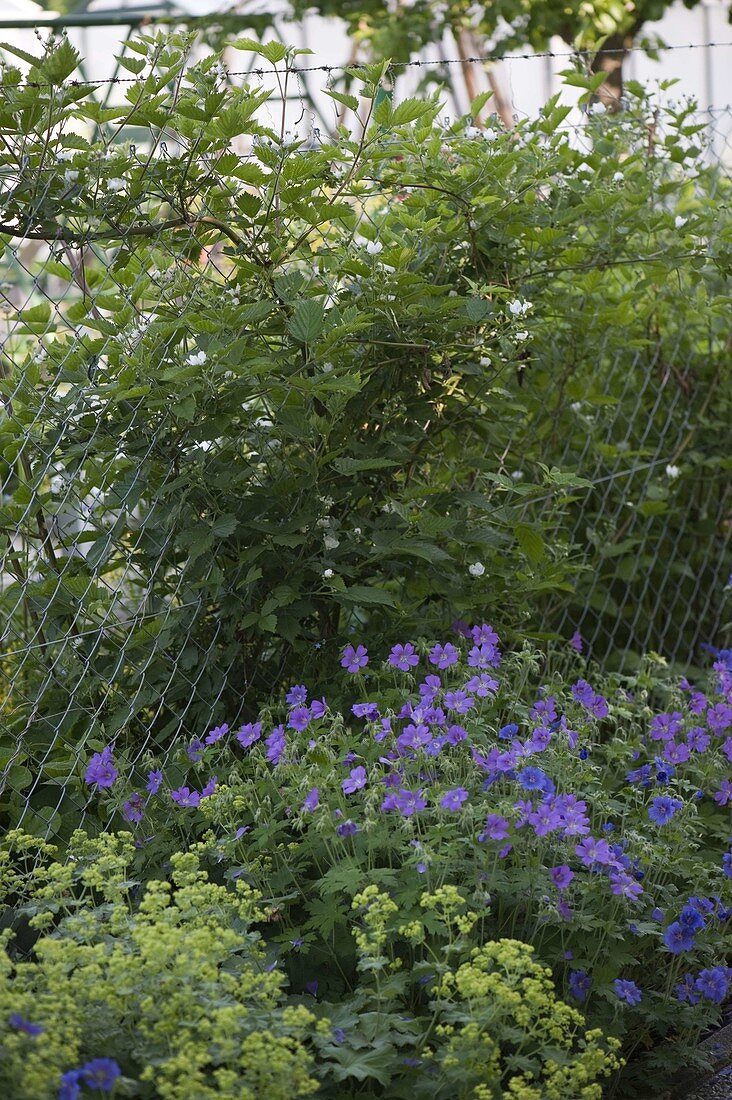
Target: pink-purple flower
(354, 659)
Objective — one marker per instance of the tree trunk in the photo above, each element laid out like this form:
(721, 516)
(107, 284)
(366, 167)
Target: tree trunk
(610, 60)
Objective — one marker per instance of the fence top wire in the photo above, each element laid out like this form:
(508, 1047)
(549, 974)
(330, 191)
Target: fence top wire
(416, 63)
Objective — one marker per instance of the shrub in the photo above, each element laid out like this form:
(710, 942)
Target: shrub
(287, 394)
(472, 797)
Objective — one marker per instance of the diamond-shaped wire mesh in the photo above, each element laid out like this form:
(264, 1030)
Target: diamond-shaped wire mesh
(104, 627)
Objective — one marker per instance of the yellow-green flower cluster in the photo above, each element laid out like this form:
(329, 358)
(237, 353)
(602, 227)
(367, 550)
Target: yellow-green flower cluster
(173, 986)
(377, 909)
(503, 991)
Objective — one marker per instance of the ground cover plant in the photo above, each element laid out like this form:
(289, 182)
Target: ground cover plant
(259, 390)
(483, 876)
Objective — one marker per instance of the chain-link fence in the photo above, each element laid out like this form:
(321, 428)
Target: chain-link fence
(118, 609)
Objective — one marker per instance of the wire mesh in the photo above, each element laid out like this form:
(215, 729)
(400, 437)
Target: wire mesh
(106, 622)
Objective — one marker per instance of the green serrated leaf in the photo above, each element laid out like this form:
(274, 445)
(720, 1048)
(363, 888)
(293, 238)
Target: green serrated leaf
(530, 542)
(306, 323)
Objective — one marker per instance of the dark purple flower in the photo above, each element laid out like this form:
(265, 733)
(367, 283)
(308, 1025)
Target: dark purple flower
(585, 694)
(686, 991)
(195, 750)
(154, 781)
(663, 808)
(727, 864)
(297, 696)
(355, 781)
(101, 770)
(100, 1074)
(299, 718)
(628, 991)
(579, 984)
(713, 984)
(348, 828)
(453, 800)
(678, 939)
(312, 988)
(134, 808)
(691, 918)
(249, 733)
(353, 660)
(444, 655)
(576, 642)
(509, 731)
(403, 657)
(216, 734)
(561, 876)
(19, 1023)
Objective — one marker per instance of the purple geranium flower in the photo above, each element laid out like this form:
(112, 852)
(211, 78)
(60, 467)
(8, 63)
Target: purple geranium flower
(534, 779)
(576, 642)
(134, 808)
(663, 808)
(579, 984)
(713, 983)
(369, 711)
(318, 707)
(348, 828)
(101, 771)
(627, 991)
(184, 796)
(353, 660)
(249, 733)
(482, 685)
(484, 635)
(355, 781)
(154, 781)
(405, 802)
(403, 657)
(459, 701)
(444, 655)
(561, 876)
(312, 799)
(216, 734)
(592, 851)
(195, 750)
(677, 938)
(19, 1023)
(453, 800)
(724, 794)
(495, 828)
(275, 745)
(299, 718)
(297, 696)
(100, 1074)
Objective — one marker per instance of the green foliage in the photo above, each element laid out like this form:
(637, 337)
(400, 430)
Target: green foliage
(287, 393)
